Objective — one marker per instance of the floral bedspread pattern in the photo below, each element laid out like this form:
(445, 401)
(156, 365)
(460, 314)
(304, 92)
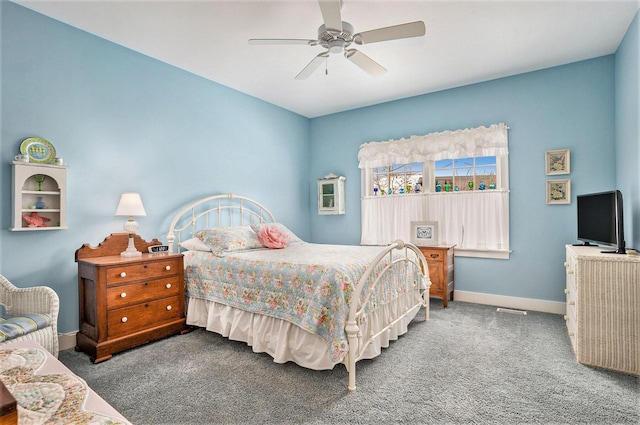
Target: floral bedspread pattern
(46, 398)
(307, 284)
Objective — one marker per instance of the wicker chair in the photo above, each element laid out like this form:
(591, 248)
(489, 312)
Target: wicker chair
(39, 300)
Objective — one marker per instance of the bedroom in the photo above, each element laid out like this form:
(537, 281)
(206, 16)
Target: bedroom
(176, 136)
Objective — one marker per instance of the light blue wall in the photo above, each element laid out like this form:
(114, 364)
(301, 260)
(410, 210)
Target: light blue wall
(569, 106)
(126, 122)
(628, 129)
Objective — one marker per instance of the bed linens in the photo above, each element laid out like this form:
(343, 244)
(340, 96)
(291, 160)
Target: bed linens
(309, 285)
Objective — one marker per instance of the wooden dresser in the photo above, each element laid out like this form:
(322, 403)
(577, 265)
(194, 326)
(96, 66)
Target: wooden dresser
(126, 302)
(440, 261)
(8, 407)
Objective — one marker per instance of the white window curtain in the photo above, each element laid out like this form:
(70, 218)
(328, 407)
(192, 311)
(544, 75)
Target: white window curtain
(475, 221)
(480, 141)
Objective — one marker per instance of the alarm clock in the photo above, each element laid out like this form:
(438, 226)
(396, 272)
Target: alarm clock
(159, 249)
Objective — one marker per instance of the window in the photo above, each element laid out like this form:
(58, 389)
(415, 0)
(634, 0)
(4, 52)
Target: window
(450, 175)
(397, 178)
(460, 181)
(465, 174)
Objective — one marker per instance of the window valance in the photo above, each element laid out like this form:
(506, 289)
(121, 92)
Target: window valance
(479, 141)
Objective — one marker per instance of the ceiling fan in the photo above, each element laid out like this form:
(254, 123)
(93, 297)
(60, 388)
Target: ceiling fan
(336, 36)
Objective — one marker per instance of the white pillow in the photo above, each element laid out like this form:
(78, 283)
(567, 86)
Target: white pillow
(195, 244)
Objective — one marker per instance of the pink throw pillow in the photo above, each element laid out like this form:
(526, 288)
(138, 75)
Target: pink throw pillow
(273, 237)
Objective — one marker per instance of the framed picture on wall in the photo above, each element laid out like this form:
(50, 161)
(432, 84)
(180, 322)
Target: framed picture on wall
(559, 191)
(558, 162)
(424, 233)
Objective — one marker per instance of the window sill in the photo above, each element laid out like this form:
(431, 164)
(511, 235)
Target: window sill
(498, 254)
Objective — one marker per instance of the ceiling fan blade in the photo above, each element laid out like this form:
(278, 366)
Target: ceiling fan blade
(370, 66)
(331, 14)
(267, 41)
(411, 29)
(312, 66)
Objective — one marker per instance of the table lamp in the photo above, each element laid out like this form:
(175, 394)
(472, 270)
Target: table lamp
(130, 205)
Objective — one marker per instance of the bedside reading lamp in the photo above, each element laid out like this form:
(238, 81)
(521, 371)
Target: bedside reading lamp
(130, 205)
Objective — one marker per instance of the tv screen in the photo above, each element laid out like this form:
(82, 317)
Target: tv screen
(600, 219)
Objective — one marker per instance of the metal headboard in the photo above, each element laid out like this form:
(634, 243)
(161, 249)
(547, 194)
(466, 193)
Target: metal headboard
(226, 210)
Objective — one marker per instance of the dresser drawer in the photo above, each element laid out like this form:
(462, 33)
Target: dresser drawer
(128, 273)
(127, 320)
(572, 328)
(133, 293)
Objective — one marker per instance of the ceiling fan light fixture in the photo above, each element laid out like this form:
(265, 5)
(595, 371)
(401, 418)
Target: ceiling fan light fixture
(336, 46)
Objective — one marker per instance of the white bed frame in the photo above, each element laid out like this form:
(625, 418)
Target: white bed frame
(229, 210)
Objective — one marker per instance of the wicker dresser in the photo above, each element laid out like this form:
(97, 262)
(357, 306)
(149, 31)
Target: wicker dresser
(603, 308)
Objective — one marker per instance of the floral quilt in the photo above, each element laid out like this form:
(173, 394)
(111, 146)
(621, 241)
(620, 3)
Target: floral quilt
(307, 284)
(46, 398)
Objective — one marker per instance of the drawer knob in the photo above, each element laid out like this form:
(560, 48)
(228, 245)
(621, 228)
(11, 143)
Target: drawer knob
(167, 268)
(124, 319)
(566, 264)
(123, 295)
(565, 317)
(566, 291)
(168, 307)
(168, 285)
(123, 274)
(434, 255)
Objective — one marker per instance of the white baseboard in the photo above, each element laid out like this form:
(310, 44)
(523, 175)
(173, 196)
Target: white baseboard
(67, 341)
(530, 304)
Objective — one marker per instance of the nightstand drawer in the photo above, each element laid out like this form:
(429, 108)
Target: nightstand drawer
(124, 295)
(432, 255)
(127, 320)
(128, 273)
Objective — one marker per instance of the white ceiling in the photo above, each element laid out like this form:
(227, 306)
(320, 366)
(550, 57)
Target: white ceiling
(466, 42)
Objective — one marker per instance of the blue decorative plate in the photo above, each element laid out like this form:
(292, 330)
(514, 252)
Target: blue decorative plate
(38, 149)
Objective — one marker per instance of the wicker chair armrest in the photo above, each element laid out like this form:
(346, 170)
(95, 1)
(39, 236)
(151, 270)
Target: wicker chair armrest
(35, 299)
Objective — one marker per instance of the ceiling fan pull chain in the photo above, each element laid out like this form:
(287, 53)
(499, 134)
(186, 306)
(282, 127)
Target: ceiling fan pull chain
(326, 66)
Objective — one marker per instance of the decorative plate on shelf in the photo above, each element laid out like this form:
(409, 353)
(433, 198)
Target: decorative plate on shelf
(38, 149)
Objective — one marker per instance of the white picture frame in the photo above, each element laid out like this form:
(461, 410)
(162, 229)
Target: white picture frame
(424, 233)
(559, 191)
(557, 162)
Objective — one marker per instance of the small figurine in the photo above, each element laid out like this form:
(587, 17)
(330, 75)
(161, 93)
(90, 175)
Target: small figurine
(35, 220)
(482, 186)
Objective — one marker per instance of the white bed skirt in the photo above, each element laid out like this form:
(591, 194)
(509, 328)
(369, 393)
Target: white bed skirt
(282, 340)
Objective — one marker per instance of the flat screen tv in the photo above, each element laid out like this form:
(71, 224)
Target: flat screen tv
(600, 220)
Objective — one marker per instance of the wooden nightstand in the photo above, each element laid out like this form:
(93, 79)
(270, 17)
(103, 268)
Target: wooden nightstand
(440, 261)
(127, 302)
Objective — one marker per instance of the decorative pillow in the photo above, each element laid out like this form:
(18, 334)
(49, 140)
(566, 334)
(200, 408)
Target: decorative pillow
(195, 244)
(292, 236)
(222, 240)
(272, 237)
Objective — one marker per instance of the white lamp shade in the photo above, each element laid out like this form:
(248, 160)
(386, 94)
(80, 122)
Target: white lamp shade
(130, 205)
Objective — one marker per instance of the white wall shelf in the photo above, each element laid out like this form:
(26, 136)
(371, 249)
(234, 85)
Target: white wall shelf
(25, 193)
